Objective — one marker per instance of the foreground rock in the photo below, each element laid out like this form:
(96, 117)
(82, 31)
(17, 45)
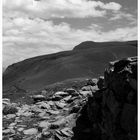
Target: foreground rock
(38, 98)
(113, 113)
(31, 131)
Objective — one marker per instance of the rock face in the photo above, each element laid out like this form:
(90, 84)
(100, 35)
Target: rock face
(113, 113)
(104, 109)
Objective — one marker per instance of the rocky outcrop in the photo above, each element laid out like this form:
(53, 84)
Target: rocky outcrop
(113, 110)
(104, 109)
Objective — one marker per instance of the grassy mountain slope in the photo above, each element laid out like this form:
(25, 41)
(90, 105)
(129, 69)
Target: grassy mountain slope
(86, 60)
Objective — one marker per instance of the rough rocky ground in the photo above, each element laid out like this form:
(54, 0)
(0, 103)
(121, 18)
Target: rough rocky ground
(51, 118)
(104, 109)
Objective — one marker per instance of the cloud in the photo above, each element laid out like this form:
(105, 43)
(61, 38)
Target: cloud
(58, 8)
(25, 37)
(28, 28)
(123, 15)
(110, 6)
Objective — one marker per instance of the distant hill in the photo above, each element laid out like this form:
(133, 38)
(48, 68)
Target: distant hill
(86, 60)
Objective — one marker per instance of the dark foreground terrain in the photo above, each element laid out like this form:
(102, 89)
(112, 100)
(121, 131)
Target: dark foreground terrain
(87, 60)
(103, 109)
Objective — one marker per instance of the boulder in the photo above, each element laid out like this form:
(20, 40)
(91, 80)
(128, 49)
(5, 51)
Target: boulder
(10, 116)
(60, 105)
(86, 93)
(20, 129)
(72, 91)
(9, 109)
(38, 98)
(30, 131)
(42, 114)
(44, 124)
(61, 93)
(92, 82)
(67, 98)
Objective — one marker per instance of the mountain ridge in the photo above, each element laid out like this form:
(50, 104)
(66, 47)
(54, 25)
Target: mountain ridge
(36, 72)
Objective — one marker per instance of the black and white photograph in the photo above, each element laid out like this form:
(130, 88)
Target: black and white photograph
(69, 70)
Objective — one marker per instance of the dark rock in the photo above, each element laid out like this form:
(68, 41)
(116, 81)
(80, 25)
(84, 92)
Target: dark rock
(128, 118)
(75, 109)
(100, 82)
(9, 109)
(119, 79)
(71, 91)
(56, 98)
(119, 66)
(112, 110)
(54, 126)
(92, 82)
(133, 83)
(131, 97)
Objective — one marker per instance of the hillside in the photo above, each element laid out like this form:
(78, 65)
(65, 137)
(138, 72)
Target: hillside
(86, 60)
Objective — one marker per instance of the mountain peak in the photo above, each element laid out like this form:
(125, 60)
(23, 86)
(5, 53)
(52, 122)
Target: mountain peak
(92, 44)
(85, 45)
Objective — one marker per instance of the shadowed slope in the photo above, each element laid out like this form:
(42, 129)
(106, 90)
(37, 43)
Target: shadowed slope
(88, 59)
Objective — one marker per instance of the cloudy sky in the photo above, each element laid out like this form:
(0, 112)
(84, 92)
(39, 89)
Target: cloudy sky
(37, 27)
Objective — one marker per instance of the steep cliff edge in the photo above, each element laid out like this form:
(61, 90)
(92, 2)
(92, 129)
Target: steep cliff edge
(113, 109)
